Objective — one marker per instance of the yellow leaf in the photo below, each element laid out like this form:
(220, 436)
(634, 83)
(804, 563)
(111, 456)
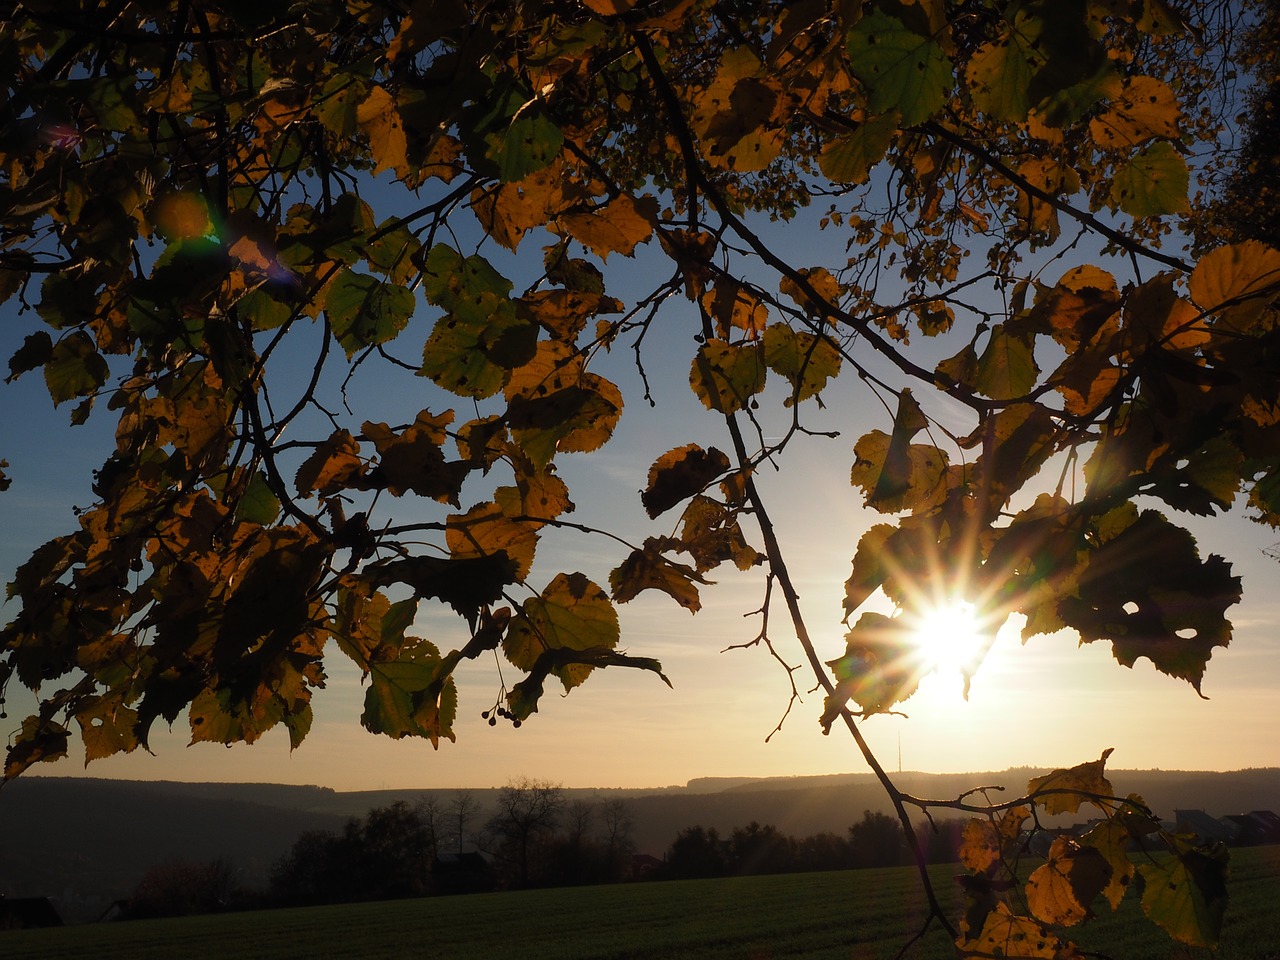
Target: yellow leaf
(1237, 282)
(1146, 108)
(485, 531)
(1061, 890)
(1005, 934)
(1064, 790)
(335, 463)
(618, 226)
(379, 120)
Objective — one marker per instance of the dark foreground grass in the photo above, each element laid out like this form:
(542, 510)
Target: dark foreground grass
(856, 915)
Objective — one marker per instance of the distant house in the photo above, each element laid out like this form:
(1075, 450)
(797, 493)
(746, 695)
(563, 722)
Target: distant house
(1258, 827)
(26, 913)
(641, 866)
(461, 873)
(1204, 827)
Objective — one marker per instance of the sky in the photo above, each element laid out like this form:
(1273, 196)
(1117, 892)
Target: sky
(1046, 703)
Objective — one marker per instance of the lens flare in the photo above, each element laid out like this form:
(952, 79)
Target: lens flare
(951, 638)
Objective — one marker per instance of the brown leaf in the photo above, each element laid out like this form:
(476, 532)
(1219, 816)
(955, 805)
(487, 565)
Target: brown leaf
(679, 474)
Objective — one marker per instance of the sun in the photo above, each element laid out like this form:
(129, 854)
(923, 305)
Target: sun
(950, 638)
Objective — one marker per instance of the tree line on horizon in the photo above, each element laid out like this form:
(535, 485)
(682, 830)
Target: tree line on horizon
(534, 836)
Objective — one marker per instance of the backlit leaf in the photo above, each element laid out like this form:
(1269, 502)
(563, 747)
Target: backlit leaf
(679, 474)
(1061, 890)
(572, 613)
(335, 464)
(1064, 790)
(75, 368)
(806, 360)
(1152, 183)
(365, 311)
(1237, 281)
(647, 569)
(1187, 895)
(725, 376)
(850, 159)
(1146, 108)
(485, 531)
(379, 119)
(902, 70)
(1147, 591)
(1004, 934)
(1007, 368)
(618, 226)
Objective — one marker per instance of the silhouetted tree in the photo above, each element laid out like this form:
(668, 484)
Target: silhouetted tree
(697, 852)
(760, 849)
(877, 840)
(528, 812)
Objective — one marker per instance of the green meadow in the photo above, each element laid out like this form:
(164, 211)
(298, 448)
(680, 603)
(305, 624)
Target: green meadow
(854, 915)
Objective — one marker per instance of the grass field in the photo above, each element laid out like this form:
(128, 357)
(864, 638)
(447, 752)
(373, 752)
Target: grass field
(857, 915)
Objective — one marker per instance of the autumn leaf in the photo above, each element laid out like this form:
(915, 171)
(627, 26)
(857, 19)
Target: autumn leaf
(647, 569)
(334, 464)
(1061, 890)
(1146, 108)
(1237, 282)
(877, 669)
(1064, 790)
(379, 119)
(1146, 589)
(805, 359)
(1004, 934)
(618, 226)
(679, 474)
(413, 459)
(725, 376)
(485, 531)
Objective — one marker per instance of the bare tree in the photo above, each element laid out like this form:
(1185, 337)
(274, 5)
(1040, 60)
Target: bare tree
(528, 813)
(432, 814)
(462, 810)
(579, 816)
(616, 826)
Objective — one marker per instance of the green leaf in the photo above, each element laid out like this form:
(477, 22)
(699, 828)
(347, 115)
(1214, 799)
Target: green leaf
(806, 360)
(1007, 368)
(75, 369)
(258, 504)
(365, 311)
(1153, 183)
(1187, 895)
(572, 613)
(408, 697)
(725, 376)
(851, 158)
(902, 70)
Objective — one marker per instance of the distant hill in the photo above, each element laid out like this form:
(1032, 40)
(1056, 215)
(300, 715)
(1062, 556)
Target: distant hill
(74, 836)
